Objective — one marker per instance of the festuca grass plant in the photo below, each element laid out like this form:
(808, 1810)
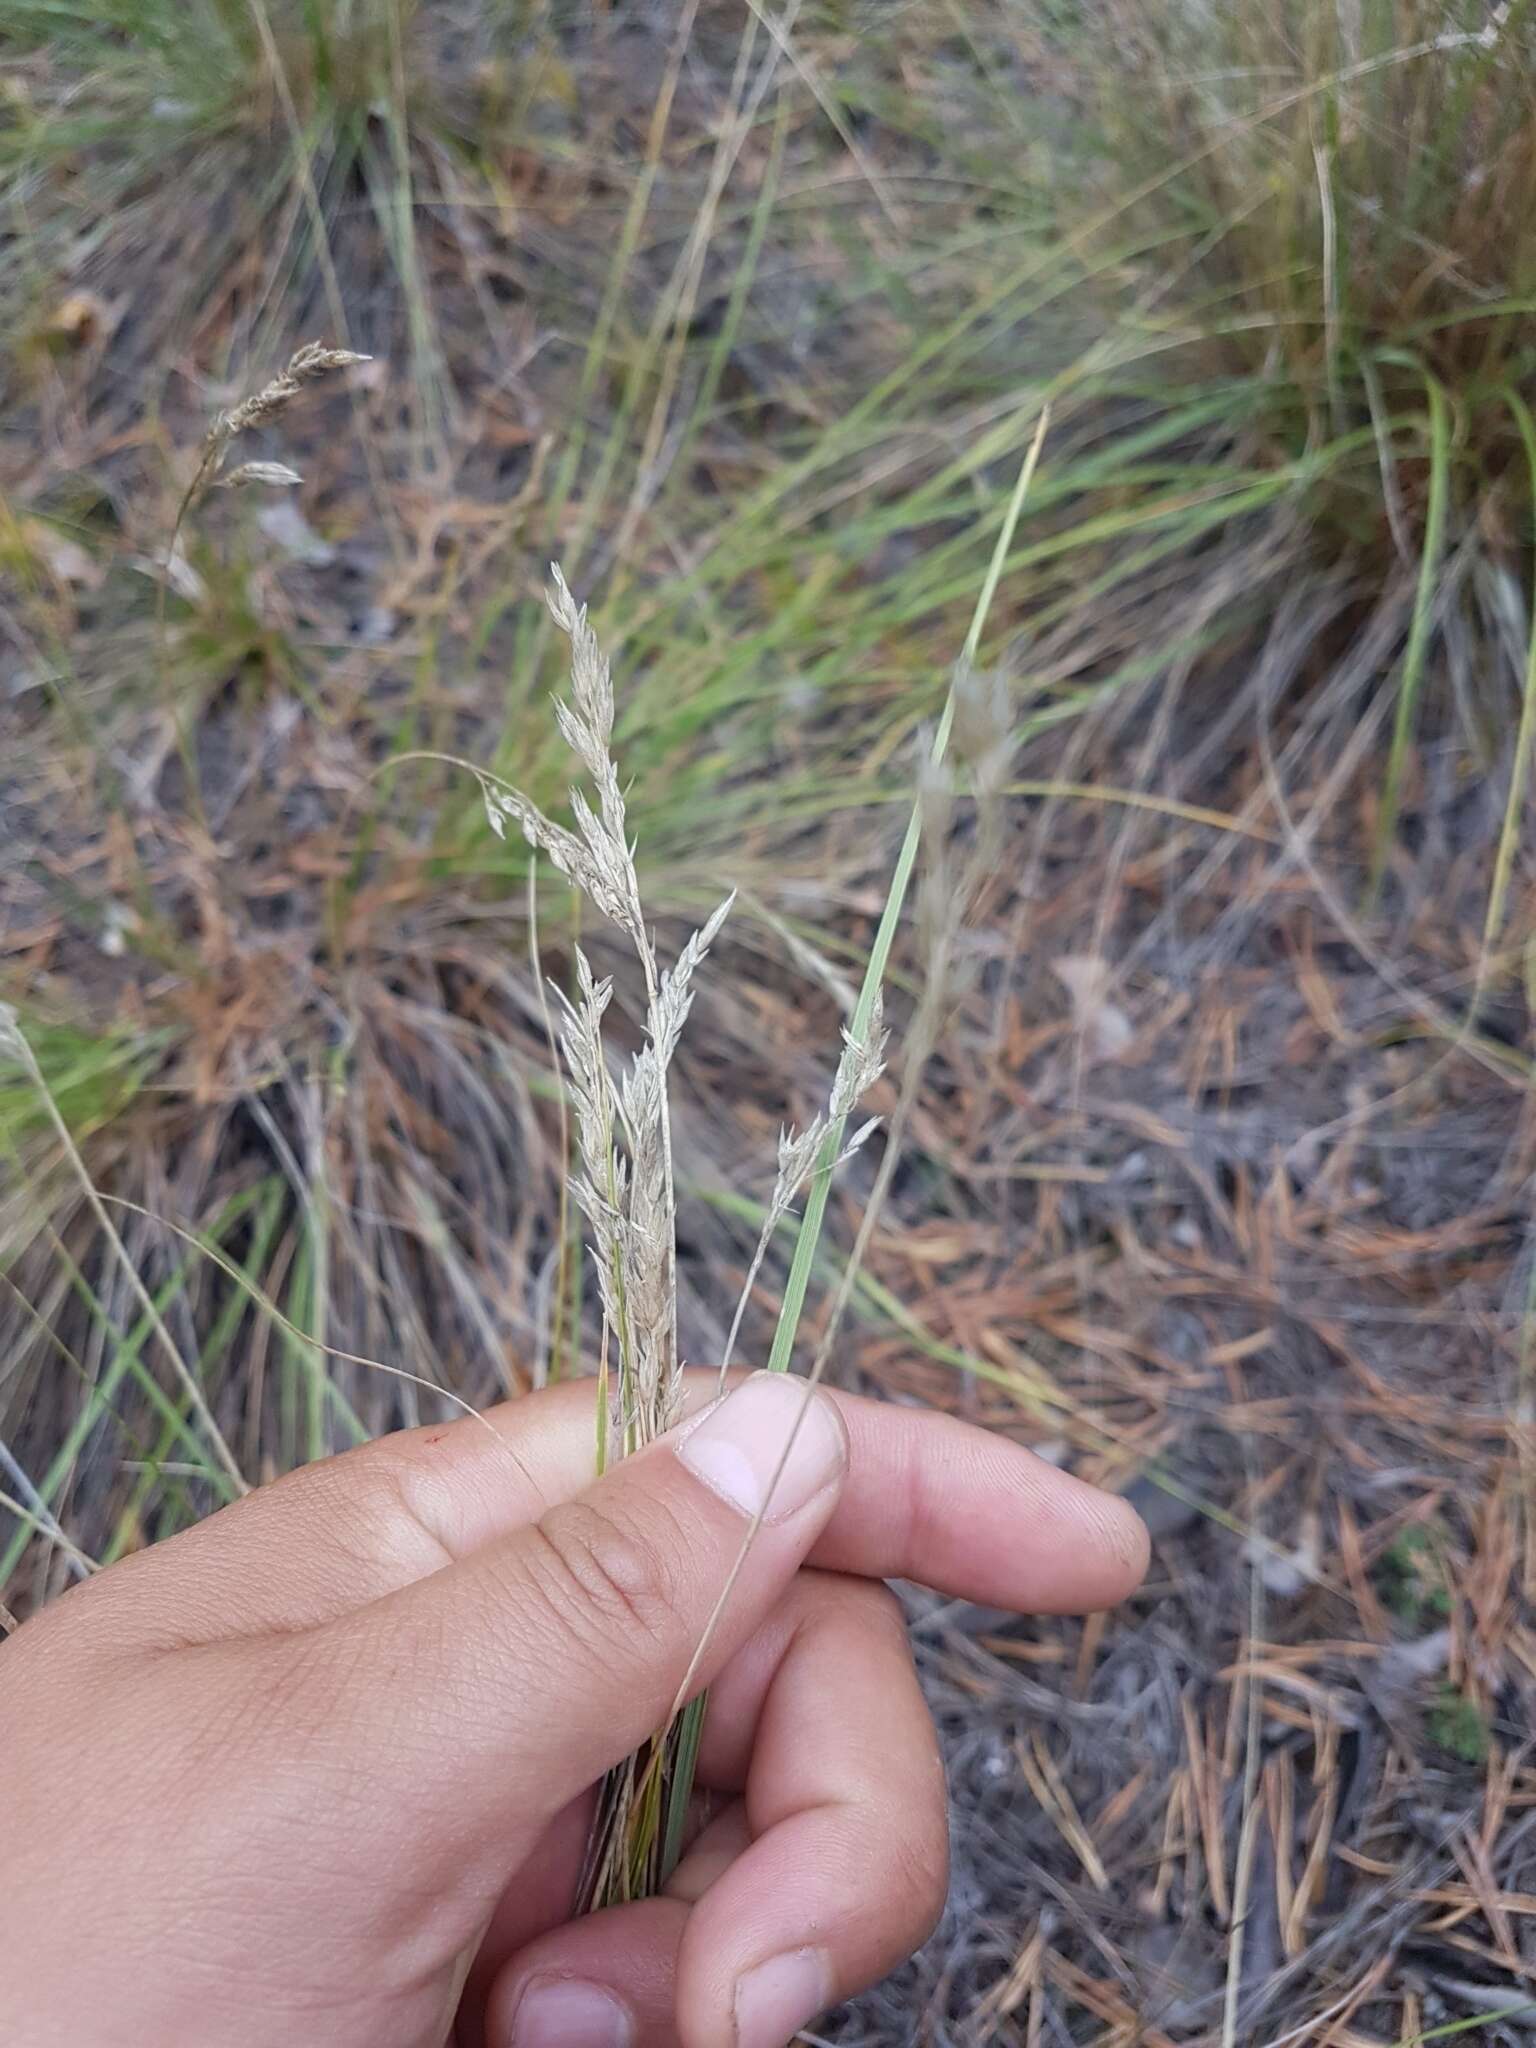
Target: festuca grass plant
(624, 1183)
(217, 138)
(1352, 185)
(1350, 275)
(624, 1171)
(624, 1178)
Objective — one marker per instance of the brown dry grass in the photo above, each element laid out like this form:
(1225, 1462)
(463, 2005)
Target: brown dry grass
(1216, 1188)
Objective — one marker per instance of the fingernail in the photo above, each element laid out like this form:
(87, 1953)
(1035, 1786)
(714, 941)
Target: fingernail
(777, 1998)
(736, 1447)
(566, 2012)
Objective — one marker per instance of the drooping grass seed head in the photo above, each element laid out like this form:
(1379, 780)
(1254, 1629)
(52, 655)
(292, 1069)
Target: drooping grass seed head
(307, 364)
(275, 475)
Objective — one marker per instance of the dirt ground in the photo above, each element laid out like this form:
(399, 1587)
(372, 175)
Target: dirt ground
(1217, 1189)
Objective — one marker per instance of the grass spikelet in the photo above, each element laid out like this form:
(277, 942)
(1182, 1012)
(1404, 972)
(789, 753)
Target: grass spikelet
(861, 1065)
(586, 725)
(306, 365)
(275, 475)
(593, 873)
(643, 1112)
(600, 1186)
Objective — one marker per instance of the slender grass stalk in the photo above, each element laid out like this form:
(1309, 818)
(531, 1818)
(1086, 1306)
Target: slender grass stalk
(828, 102)
(562, 1223)
(1449, 2030)
(618, 271)
(863, 1037)
(1248, 1828)
(1418, 631)
(304, 366)
(320, 236)
(41, 1523)
(126, 1362)
(724, 344)
(879, 953)
(1498, 891)
(12, 1036)
(1520, 769)
(260, 1299)
(678, 302)
(264, 1205)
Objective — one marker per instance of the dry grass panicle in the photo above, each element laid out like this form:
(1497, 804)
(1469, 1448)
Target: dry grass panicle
(624, 1184)
(305, 366)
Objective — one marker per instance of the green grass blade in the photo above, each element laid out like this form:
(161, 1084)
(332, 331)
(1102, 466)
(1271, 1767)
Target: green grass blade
(1419, 629)
(874, 974)
(1519, 774)
(690, 1728)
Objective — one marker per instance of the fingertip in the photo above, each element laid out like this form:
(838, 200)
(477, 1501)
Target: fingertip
(1104, 1548)
(842, 1840)
(606, 1981)
(552, 2011)
(774, 1999)
(1126, 1544)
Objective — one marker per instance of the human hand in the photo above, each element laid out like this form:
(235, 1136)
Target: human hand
(319, 1770)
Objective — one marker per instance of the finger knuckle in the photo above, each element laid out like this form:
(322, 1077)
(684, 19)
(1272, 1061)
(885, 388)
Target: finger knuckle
(603, 1577)
(387, 1517)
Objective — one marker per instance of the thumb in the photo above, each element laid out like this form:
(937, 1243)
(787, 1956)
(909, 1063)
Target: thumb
(519, 1674)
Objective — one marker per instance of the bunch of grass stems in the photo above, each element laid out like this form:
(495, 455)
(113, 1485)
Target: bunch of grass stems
(623, 1177)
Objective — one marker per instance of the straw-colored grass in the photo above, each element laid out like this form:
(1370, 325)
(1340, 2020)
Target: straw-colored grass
(625, 1186)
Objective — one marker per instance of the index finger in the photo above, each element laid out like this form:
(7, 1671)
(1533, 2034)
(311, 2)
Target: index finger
(927, 1497)
(976, 1516)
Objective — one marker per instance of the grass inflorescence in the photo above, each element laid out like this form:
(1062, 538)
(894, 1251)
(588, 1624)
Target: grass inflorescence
(624, 1184)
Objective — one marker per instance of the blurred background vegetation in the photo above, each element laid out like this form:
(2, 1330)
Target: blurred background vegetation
(1219, 1179)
